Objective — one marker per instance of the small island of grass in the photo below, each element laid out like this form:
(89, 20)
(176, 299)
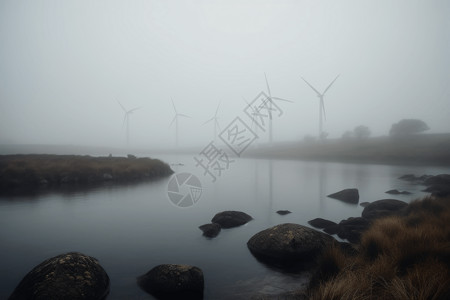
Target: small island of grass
(29, 172)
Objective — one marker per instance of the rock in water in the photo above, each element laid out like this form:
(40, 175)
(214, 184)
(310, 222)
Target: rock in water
(321, 223)
(383, 208)
(347, 195)
(283, 212)
(210, 230)
(173, 282)
(397, 192)
(231, 218)
(288, 243)
(67, 276)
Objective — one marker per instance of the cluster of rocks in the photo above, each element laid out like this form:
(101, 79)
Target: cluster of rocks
(229, 219)
(225, 219)
(438, 185)
(77, 276)
(352, 228)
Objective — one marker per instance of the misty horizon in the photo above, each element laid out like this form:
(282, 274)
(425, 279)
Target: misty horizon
(65, 66)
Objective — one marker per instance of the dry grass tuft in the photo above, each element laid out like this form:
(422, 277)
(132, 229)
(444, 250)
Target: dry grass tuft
(399, 258)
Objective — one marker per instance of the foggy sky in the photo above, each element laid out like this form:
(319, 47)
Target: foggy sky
(65, 64)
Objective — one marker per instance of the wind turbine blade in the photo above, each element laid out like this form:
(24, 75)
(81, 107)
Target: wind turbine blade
(182, 115)
(322, 105)
(174, 118)
(131, 110)
(281, 99)
(173, 104)
(122, 106)
(318, 94)
(330, 84)
(267, 83)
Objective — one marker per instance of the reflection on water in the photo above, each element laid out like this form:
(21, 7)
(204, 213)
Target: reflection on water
(132, 228)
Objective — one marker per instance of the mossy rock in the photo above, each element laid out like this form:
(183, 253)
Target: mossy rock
(72, 276)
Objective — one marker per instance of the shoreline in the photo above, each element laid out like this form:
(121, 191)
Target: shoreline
(430, 149)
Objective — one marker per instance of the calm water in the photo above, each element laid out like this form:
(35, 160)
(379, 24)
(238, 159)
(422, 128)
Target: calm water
(130, 229)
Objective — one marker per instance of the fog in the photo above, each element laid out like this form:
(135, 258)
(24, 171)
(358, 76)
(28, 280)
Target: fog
(65, 65)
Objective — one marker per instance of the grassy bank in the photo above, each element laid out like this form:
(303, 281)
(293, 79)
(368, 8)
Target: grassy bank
(34, 171)
(405, 257)
(417, 149)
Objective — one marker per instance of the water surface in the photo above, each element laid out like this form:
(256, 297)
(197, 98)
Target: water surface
(132, 228)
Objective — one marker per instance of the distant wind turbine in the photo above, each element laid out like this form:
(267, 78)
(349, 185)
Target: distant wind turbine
(126, 119)
(175, 119)
(215, 120)
(321, 103)
(270, 106)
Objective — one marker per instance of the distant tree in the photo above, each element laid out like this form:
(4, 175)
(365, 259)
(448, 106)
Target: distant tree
(361, 132)
(408, 127)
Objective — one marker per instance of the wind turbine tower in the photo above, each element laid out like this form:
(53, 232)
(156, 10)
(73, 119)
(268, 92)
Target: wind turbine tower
(216, 123)
(126, 119)
(322, 114)
(270, 107)
(175, 120)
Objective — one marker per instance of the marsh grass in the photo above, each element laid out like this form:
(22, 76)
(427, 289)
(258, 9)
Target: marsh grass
(19, 171)
(402, 257)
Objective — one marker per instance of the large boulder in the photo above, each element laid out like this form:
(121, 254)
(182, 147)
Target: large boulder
(67, 276)
(438, 190)
(210, 230)
(231, 218)
(347, 195)
(288, 243)
(383, 208)
(173, 282)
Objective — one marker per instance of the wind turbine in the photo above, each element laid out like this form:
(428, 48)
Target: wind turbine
(126, 119)
(216, 123)
(175, 119)
(321, 103)
(270, 106)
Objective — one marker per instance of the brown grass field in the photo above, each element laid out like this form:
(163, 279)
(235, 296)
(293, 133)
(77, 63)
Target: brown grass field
(404, 257)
